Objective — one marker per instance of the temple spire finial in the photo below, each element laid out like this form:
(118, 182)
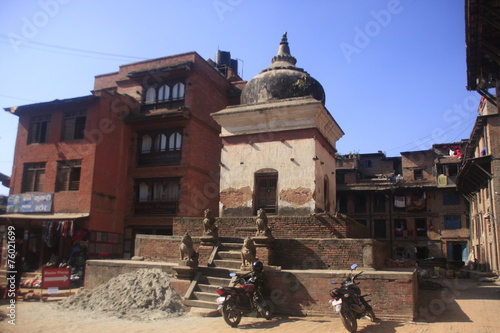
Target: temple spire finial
(283, 54)
(284, 39)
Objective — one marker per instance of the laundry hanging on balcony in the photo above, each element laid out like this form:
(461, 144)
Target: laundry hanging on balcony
(399, 201)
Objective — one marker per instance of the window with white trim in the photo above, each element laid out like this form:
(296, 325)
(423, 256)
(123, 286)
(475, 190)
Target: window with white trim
(165, 92)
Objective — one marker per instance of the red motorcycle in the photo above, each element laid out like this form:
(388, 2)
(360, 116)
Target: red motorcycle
(244, 297)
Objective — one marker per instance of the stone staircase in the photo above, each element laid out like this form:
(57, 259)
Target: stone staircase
(227, 259)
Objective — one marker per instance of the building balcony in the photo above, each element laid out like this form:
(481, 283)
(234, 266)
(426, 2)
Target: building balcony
(156, 207)
(160, 158)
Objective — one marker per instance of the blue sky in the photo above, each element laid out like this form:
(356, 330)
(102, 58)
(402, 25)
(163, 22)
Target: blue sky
(394, 71)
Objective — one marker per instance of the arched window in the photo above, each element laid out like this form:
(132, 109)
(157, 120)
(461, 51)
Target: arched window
(150, 95)
(164, 93)
(143, 192)
(146, 144)
(161, 142)
(174, 141)
(178, 91)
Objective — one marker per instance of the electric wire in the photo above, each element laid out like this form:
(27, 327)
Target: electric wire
(430, 138)
(64, 50)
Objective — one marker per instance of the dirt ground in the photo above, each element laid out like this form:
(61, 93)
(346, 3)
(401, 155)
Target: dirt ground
(462, 306)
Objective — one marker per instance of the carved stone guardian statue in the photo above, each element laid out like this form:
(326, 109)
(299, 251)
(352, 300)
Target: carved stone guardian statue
(188, 256)
(210, 229)
(209, 226)
(262, 228)
(248, 253)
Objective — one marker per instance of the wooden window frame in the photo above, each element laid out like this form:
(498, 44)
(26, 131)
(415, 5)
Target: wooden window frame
(33, 177)
(68, 175)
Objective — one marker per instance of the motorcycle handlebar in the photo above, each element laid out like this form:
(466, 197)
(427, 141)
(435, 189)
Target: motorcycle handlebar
(355, 276)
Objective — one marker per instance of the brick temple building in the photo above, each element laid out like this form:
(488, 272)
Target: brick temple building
(279, 144)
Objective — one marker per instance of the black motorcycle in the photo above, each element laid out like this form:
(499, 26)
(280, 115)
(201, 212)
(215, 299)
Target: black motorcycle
(349, 303)
(243, 297)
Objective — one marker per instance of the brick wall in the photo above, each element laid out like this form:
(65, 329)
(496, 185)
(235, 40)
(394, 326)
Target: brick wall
(321, 253)
(393, 294)
(311, 253)
(282, 227)
(296, 292)
(160, 248)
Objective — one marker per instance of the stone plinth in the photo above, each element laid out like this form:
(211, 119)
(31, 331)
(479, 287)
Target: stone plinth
(184, 272)
(208, 240)
(264, 246)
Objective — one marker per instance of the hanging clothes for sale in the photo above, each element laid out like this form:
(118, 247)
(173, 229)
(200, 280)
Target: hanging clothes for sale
(46, 238)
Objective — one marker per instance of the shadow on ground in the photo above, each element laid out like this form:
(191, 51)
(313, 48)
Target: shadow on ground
(383, 326)
(267, 324)
(439, 305)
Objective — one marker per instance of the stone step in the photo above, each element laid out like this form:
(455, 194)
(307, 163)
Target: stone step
(205, 296)
(230, 246)
(230, 264)
(217, 272)
(231, 240)
(202, 312)
(209, 288)
(235, 255)
(200, 304)
(217, 281)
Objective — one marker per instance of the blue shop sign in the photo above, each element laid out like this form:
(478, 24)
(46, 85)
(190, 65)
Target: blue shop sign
(30, 203)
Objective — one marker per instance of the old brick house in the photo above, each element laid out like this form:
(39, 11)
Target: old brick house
(479, 185)
(127, 159)
(410, 202)
(478, 179)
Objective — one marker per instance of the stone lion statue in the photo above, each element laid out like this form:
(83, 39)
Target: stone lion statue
(248, 252)
(261, 222)
(186, 250)
(209, 226)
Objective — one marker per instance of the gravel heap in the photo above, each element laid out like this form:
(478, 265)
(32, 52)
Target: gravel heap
(142, 295)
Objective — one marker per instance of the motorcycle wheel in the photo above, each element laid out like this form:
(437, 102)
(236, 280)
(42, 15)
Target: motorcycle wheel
(266, 310)
(348, 319)
(369, 311)
(232, 317)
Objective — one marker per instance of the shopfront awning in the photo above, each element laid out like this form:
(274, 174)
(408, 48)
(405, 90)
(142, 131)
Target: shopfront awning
(61, 216)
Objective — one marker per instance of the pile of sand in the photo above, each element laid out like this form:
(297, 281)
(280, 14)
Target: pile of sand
(142, 295)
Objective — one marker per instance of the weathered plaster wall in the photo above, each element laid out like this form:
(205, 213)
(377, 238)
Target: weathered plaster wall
(292, 159)
(325, 168)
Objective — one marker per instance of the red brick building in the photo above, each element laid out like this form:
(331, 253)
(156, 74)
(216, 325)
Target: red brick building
(139, 151)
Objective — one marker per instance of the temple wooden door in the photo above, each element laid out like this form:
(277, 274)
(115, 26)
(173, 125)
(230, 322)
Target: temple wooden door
(266, 192)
